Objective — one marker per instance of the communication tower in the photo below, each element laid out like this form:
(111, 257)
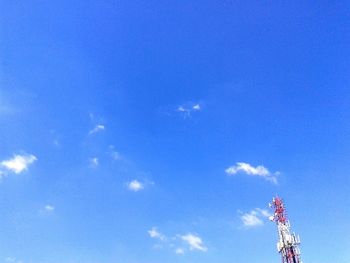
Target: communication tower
(288, 243)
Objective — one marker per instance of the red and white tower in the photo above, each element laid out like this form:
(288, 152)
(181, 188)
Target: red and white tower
(288, 243)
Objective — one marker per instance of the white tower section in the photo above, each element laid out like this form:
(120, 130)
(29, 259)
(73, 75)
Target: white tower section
(288, 242)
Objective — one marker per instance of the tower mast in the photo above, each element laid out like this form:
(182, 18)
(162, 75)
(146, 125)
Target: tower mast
(288, 243)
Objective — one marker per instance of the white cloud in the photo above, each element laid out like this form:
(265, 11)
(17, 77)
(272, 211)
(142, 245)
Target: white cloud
(181, 108)
(188, 109)
(264, 212)
(94, 162)
(251, 170)
(116, 155)
(56, 143)
(197, 107)
(6, 107)
(13, 260)
(49, 208)
(175, 243)
(254, 217)
(251, 219)
(19, 163)
(179, 251)
(153, 233)
(194, 242)
(55, 138)
(97, 128)
(135, 186)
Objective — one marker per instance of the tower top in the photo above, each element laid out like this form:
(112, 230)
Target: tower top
(288, 242)
(280, 215)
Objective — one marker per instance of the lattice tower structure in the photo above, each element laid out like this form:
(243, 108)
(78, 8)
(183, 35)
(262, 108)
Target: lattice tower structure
(288, 242)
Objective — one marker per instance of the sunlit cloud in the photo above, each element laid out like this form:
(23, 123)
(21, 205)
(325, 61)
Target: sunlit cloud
(197, 107)
(135, 186)
(187, 109)
(179, 251)
(97, 128)
(13, 260)
(19, 163)
(176, 243)
(181, 109)
(254, 218)
(115, 155)
(248, 169)
(194, 242)
(49, 208)
(93, 162)
(154, 233)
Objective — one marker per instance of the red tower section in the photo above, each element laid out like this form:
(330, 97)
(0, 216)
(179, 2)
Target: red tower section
(288, 243)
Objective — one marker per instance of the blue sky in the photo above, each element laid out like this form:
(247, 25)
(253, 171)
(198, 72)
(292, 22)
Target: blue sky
(158, 132)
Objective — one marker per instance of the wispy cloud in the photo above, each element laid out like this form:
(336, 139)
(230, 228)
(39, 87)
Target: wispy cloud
(135, 186)
(5, 107)
(179, 251)
(13, 260)
(196, 107)
(93, 162)
(254, 218)
(186, 110)
(176, 243)
(114, 154)
(154, 233)
(19, 163)
(97, 128)
(55, 138)
(49, 208)
(264, 212)
(248, 169)
(194, 242)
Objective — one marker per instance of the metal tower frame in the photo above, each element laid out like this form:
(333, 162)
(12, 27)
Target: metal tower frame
(288, 243)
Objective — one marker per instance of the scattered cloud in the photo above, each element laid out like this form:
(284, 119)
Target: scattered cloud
(114, 154)
(175, 243)
(251, 219)
(6, 107)
(186, 110)
(13, 260)
(153, 233)
(194, 242)
(181, 109)
(179, 251)
(197, 107)
(93, 162)
(97, 128)
(254, 218)
(135, 186)
(49, 208)
(248, 169)
(18, 163)
(56, 143)
(55, 138)
(264, 212)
